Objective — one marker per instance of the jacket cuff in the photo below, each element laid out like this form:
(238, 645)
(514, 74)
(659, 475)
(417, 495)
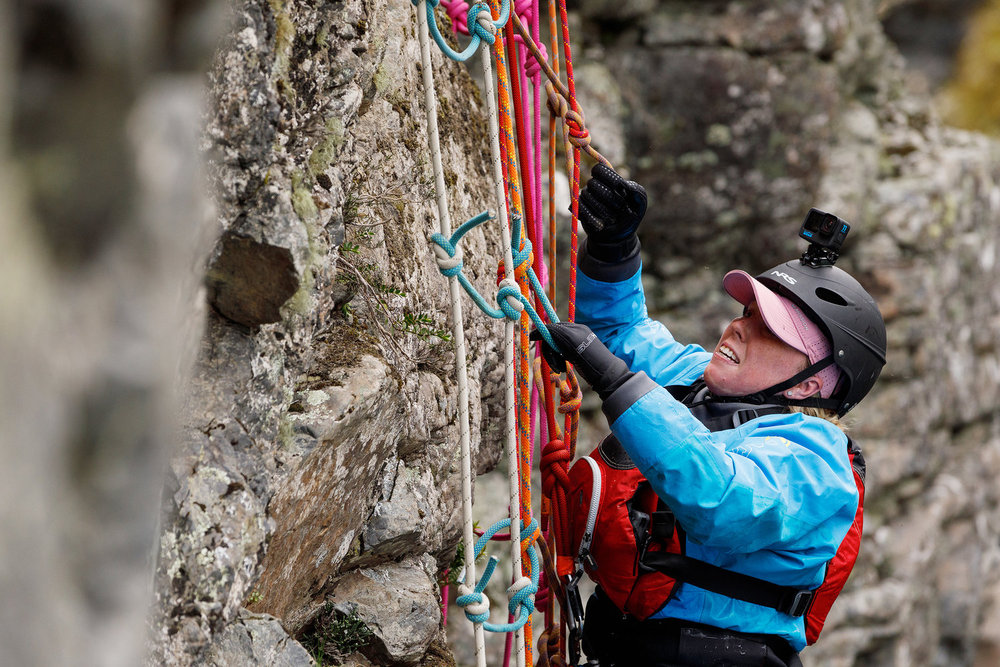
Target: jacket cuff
(626, 395)
(608, 272)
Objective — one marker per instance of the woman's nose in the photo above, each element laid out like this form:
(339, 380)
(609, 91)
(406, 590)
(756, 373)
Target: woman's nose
(739, 327)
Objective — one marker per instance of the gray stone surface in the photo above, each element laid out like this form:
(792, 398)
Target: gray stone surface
(316, 424)
(105, 225)
(256, 640)
(397, 601)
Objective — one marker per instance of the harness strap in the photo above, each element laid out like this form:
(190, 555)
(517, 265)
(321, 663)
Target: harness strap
(786, 599)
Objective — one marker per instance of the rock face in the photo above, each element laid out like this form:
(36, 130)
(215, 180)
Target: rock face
(319, 451)
(104, 228)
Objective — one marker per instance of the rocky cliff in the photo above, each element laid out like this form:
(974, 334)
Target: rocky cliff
(319, 457)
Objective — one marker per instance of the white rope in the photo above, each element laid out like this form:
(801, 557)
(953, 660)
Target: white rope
(508, 356)
(475, 608)
(509, 351)
(458, 325)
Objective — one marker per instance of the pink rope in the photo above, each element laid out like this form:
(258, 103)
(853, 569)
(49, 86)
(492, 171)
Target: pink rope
(444, 600)
(536, 82)
(458, 10)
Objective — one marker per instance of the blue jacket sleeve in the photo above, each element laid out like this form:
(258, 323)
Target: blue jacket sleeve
(616, 312)
(779, 482)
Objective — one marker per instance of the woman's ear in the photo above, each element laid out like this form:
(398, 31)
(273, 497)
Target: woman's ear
(809, 387)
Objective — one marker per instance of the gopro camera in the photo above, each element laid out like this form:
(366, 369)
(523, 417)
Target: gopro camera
(825, 233)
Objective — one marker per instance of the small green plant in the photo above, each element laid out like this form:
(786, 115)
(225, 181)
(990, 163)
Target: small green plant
(347, 246)
(254, 597)
(457, 567)
(336, 635)
(417, 324)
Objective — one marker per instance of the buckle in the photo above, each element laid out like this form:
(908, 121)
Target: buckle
(800, 603)
(574, 615)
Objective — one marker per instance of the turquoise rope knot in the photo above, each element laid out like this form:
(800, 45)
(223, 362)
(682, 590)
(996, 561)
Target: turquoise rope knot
(521, 604)
(475, 604)
(522, 256)
(477, 28)
(508, 295)
(450, 264)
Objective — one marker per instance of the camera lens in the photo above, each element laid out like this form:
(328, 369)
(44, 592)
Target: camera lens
(828, 224)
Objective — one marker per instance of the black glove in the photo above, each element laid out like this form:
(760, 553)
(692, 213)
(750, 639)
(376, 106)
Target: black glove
(611, 209)
(581, 347)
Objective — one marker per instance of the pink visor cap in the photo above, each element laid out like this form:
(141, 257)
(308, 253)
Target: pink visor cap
(786, 321)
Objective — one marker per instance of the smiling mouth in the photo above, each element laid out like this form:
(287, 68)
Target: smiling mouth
(727, 352)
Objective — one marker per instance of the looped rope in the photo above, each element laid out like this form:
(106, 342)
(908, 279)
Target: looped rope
(549, 646)
(521, 601)
(449, 258)
(525, 10)
(532, 68)
(475, 604)
(556, 102)
(509, 297)
(570, 394)
(484, 29)
(555, 466)
(558, 106)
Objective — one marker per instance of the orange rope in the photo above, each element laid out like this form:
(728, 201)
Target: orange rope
(520, 274)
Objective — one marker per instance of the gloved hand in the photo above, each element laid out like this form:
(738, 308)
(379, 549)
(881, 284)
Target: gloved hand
(611, 209)
(580, 346)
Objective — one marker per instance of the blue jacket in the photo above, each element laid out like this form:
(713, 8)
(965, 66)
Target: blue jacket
(772, 498)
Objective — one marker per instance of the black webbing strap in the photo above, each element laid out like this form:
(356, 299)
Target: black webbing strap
(786, 599)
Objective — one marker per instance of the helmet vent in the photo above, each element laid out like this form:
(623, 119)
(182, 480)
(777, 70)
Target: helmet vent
(830, 296)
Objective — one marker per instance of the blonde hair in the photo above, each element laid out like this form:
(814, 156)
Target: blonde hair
(822, 413)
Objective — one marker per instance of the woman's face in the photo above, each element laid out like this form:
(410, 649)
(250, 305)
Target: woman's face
(749, 358)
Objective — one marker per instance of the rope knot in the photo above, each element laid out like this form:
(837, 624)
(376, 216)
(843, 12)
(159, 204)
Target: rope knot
(510, 299)
(525, 10)
(519, 594)
(578, 134)
(570, 394)
(449, 258)
(555, 466)
(556, 103)
(532, 67)
(483, 25)
(475, 604)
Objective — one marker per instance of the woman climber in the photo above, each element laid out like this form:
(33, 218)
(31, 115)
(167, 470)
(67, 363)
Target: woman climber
(726, 486)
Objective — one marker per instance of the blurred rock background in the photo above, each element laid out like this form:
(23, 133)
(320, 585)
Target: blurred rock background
(227, 389)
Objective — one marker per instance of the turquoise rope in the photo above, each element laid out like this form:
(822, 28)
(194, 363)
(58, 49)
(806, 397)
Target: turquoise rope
(521, 604)
(520, 257)
(478, 33)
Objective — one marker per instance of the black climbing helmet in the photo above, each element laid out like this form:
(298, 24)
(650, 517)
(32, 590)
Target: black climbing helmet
(847, 314)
